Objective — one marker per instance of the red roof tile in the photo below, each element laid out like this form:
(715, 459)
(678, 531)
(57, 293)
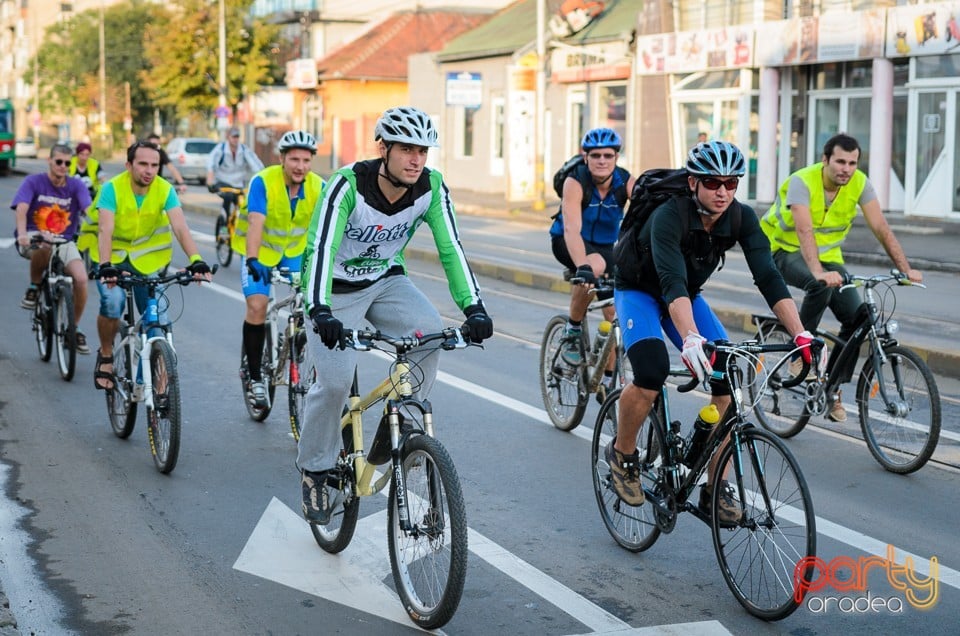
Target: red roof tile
(381, 52)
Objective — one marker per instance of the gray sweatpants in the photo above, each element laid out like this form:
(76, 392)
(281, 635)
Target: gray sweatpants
(397, 308)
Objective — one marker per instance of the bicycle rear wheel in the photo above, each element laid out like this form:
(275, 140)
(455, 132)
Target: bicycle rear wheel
(120, 405)
(562, 386)
(633, 528)
(429, 560)
(43, 324)
(781, 411)
(65, 332)
(221, 233)
(163, 420)
(301, 375)
(336, 535)
(903, 433)
(770, 551)
(259, 413)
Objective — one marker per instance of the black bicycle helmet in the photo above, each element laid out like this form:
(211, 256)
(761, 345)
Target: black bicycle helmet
(601, 138)
(716, 159)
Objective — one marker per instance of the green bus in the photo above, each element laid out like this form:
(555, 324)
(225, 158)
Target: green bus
(8, 155)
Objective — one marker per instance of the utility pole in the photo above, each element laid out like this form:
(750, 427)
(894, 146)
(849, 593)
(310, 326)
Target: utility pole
(538, 134)
(223, 110)
(103, 77)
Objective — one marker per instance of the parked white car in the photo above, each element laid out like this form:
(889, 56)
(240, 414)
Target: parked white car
(26, 148)
(189, 155)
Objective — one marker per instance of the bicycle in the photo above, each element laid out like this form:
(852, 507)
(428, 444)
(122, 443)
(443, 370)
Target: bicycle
(284, 360)
(54, 321)
(898, 401)
(761, 556)
(226, 224)
(156, 384)
(566, 388)
(426, 517)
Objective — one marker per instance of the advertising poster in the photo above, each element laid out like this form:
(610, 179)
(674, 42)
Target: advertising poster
(923, 29)
(690, 51)
(521, 121)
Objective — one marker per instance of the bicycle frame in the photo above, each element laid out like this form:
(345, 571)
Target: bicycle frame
(294, 304)
(137, 341)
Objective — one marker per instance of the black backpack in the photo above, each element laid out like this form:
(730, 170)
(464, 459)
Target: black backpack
(653, 188)
(576, 167)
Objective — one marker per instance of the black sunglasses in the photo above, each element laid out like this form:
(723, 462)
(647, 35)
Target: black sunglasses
(61, 162)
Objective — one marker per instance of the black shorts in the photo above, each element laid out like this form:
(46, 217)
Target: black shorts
(560, 252)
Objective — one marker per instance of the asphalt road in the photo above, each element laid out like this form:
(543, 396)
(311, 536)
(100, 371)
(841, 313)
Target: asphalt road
(100, 543)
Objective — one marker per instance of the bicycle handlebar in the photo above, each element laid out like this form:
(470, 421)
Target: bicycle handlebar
(180, 277)
(363, 339)
(56, 239)
(753, 347)
(853, 280)
(602, 289)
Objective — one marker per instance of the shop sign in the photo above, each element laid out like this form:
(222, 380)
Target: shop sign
(923, 29)
(464, 89)
(830, 37)
(590, 62)
(691, 51)
(301, 73)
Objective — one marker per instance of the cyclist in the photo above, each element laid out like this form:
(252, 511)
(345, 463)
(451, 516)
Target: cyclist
(807, 226)
(129, 231)
(583, 234)
(355, 269)
(165, 162)
(52, 203)
(86, 168)
(272, 231)
(229, 164)
(665, 294)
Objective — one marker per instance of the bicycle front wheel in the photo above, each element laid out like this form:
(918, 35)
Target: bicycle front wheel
(300, 376)
(163, 420)
(771, 549)
(901, 423)
(428, 558)
(43, 325)
(632, 527)
(120, 405)
(561, 385)
(66, 332)
(781, 411)
(221, 233)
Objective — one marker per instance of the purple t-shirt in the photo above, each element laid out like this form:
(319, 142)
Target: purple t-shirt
(54, 209)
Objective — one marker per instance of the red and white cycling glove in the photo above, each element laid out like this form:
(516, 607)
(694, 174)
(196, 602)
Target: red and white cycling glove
(803, 340)
(695, 358)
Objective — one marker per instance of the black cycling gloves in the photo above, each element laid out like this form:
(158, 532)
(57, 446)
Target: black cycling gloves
(327, 327)
(478, 325)
(586, 273)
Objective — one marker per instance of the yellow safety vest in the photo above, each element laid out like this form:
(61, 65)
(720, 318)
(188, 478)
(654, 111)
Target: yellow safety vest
(93, 170)
(142, 234)
(283, 234)
(830, 226)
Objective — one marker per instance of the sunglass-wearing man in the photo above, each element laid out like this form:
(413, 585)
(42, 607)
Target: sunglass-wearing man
(682, 244)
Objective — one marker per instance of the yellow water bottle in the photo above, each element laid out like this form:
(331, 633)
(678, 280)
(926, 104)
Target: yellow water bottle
(706, 420)
(603, 332)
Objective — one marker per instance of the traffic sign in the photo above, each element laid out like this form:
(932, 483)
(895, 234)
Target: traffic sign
(222, 111)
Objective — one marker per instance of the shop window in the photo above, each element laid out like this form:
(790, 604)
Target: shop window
(928, 66)
(499, 126)
(859, 74)
(828, 76)
(901, 72)
(701, 80)
(612, 111)
(465, 129)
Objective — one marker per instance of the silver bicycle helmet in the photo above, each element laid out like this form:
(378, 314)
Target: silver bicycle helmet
(716, 159)
(406, 125)
(297, 139)
(601, 138)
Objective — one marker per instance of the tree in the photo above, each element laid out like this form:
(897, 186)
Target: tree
(185, 70)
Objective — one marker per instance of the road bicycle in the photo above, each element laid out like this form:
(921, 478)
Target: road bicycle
(226, 224)
(426, 517)
(764, 556)
(285, 360)
(156, 384)
(897, 398)
(54, 320)
(566, 388)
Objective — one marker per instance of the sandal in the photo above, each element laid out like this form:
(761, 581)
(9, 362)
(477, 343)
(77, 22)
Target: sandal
(100, 374)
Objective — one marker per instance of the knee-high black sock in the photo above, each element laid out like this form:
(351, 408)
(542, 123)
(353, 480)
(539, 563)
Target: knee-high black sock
(253, 337)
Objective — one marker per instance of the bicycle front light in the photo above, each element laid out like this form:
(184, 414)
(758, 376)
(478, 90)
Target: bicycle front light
(892, 328)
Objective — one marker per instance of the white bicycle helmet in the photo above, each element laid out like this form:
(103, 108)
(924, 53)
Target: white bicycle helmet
(297, 139)
(406, 125)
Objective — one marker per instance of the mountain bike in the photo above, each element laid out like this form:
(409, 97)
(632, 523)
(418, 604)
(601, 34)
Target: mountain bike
(765, 554)
(157, 383)
(54, 320)
(897, 398)
(285, 360)
(426, 518)
(226, 224)
(566, 388)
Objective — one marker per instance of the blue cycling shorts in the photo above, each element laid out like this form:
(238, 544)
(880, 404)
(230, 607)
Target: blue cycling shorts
(643, 316)
(251, 287)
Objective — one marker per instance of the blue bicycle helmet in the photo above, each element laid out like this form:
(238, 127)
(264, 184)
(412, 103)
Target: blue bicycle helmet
(716, 159)
(601, 138)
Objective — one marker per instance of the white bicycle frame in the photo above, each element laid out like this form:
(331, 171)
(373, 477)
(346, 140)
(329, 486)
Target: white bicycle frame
(137, 344)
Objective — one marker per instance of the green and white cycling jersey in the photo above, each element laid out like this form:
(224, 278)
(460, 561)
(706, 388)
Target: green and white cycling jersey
(357, 236)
